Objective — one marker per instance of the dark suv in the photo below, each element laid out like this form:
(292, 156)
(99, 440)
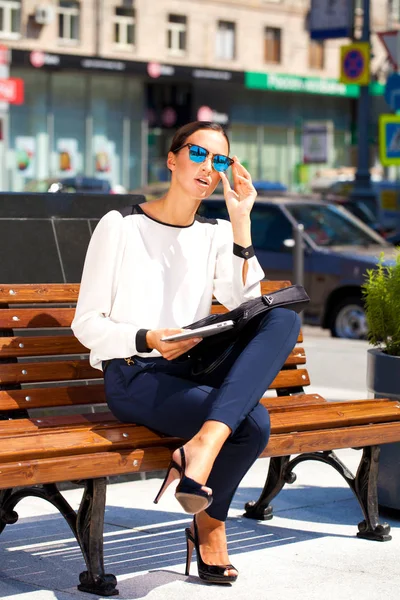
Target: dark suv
(339, 249)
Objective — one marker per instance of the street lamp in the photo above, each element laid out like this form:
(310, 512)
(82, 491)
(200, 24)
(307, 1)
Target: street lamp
(362, 189)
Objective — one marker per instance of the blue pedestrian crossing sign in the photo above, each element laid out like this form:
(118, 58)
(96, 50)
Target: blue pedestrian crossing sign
(389, 140)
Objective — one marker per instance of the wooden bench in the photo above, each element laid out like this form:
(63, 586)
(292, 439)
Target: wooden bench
(44, 366)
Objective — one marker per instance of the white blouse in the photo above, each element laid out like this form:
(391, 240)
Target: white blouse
(140, 273)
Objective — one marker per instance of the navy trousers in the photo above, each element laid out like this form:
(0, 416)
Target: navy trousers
(164, 396)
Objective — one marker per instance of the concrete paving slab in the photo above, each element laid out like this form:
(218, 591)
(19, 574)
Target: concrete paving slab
(10, 588)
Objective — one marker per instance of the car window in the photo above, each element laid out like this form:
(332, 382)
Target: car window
(269, 226)
(213, 210)
(328, 226)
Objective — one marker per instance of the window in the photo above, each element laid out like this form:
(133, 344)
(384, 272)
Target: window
(272, 45)
(270, 228)
(177, 34)
(68, 20)
(393, 11)
(10, 18)
(316, 54)
(328, 226)
(225, 41)
(124, 26)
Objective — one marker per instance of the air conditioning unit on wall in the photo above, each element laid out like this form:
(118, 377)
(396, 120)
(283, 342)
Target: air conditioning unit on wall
(44, 14)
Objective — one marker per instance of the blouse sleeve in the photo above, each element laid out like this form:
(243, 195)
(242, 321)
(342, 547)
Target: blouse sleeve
(92, 324)
(229, 288)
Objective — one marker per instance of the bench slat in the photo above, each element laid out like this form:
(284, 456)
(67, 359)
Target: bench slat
(55, 345)
(33, 293)
(48, 397)
(333, 414)
(69, 370)
(40, 346)
(16, 318)
(358, 436)
(291, 378)
(33, 372)
(24, 293)
(276, 402)
(72, 468)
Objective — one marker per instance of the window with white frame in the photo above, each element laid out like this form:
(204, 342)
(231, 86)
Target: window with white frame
(68, 20)
(124, 27)
(225, 41)
(10, 18)
(177, 34)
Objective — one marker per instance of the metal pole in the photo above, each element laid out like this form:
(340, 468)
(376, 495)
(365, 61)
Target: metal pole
(362, 189)
(298, 254)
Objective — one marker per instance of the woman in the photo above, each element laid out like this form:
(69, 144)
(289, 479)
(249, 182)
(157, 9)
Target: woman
(146, 276)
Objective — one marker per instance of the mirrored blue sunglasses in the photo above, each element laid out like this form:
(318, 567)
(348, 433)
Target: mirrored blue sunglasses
(198, 154)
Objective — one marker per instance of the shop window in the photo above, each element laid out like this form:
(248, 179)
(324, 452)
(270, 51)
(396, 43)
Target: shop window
(68, 20)
(225, 41)
(10, 18)
(272, 45)
(124, 27)
(177, 34)
(316, 54)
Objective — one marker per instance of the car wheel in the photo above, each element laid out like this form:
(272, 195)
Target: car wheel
(348, 319)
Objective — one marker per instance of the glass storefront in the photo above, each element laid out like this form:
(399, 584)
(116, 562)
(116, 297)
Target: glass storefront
(73, 123)
(275, 153)
(119, 127)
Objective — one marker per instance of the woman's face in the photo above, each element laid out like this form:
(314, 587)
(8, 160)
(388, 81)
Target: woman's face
(199, 180)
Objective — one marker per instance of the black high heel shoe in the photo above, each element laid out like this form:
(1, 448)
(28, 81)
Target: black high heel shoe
(189, 493)
(209, 573)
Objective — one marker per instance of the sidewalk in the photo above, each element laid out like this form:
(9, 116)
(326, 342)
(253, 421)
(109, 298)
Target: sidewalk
(308, 551)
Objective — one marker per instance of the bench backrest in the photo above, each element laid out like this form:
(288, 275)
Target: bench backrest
(42, 364)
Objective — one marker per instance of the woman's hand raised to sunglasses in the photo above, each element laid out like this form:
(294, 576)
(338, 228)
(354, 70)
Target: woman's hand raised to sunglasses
(240, 199)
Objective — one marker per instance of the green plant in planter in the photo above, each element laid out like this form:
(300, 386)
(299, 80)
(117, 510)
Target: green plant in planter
(381, 293)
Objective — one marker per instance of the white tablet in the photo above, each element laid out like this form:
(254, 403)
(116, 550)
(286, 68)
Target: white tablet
(200, 332)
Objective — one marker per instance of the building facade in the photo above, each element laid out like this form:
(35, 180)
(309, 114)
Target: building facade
(107, 82)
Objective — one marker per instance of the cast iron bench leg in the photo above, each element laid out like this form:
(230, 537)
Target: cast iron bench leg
(365, 488)
(87, 526)
(276, 479)
(89, 530)
(363, 485)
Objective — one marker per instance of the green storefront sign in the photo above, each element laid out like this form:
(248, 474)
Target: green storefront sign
(308, 85)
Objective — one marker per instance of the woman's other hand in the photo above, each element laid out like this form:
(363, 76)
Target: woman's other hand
(240, 199)
(169, 350)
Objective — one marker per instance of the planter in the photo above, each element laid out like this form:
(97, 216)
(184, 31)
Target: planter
(383, 380)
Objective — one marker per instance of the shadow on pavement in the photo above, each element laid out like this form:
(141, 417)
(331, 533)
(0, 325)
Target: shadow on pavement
(42, 551)
(333, 505)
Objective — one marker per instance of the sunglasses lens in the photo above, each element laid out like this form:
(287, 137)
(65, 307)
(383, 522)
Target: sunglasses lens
(221, 162)
(197, 154)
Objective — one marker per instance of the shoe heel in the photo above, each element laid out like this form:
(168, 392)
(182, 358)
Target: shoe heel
(189, 550)
(167, 480)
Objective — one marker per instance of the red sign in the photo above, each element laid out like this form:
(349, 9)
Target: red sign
(390, 40)
(4, 55)
(12, 90)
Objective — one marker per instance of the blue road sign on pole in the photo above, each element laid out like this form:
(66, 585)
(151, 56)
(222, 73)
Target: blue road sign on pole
(392, 91)
(354, 64)
(389, 139)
